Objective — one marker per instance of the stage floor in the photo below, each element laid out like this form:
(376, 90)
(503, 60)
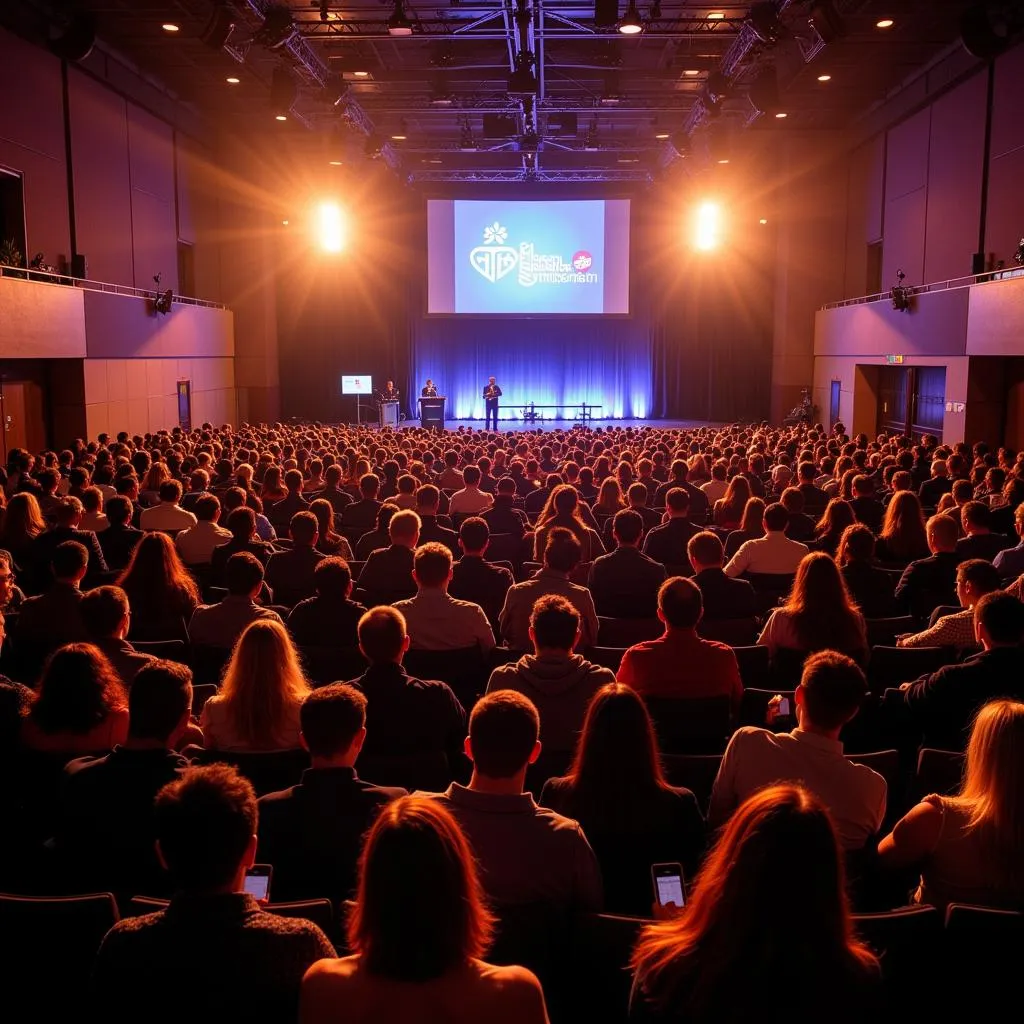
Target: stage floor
(514, 426)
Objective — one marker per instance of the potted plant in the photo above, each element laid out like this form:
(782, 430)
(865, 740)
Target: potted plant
(10, 255)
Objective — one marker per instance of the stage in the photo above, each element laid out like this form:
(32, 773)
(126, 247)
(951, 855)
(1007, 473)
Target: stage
(511, 426)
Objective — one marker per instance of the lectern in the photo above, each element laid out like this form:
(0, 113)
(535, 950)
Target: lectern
(389, 414)
(432, 412)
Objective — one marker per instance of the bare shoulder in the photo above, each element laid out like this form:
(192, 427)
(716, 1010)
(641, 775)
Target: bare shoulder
(330, 972)
(517, 983)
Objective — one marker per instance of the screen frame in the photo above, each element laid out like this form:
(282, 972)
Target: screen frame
(502, 197)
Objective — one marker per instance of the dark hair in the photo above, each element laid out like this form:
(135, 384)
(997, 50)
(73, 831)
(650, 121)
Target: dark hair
(628, 526)
(427, 496)
(170, 490)
(1002, 615)
(369, 485)
(555, 623)
(331, 577)
(982, 575)
(402, 928)
(206, 508)
(432, 564)
(77, 691)
(678, 498)
(243, 573)
(857, 544)
(204, 823)
(242, 523)
(834, 688)
(156, 581)
(381, 634)
(69, 559)
(471, 475)
(680, 602)
(776, 517)
(293, 480)
(474, 533)
(103, 610)
(303, 527)
(706, 548)
(821, 609)
(977, 513)
(330, 717)
(119, 510)
(503, 730)
(160, 696)
(563, 551)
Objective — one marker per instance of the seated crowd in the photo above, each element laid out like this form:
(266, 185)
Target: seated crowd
(473, 689)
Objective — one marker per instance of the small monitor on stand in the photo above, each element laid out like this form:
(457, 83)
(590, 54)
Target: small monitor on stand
(358, 385)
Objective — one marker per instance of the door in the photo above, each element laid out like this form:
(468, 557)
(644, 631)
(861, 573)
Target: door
(893, 405)
(911, 400)
(929, 400)
(834, 396)
(24, 425)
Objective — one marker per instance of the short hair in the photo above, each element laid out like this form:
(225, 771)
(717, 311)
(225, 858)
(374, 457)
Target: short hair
(67, 509)
(628, 526)
(330, 718)
(381, 634)
(943, 529)
(637, 493)
(834, 688)
(293, 480)
(103, 610)
(204, 823)
(206, 508)
(119, 510)
(555, 623)
(243, 573)
(160, 696)
(506, 485)
(369, 484)
(977, 513)
(331, 577)
(427, 496)
(503, 730)
(432, 564)
(705, 548)
(981, 574)
(680, 602)
(69, 559)
(404, 525)
(563, 551)
(170, 490)
(678, 499)
(242, 522)
(303, 527)
(1002, 615)
(792, 499)
(776, 518)
(471, 475)
(474, 533)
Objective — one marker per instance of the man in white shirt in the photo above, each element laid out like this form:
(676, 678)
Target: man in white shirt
(433, 620)
(716, 487)
(772, 554)
(470, 500)
(196, 544)
(168, 515)
(829, 695)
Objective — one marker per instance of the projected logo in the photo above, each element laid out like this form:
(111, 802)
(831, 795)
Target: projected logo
(495, 260)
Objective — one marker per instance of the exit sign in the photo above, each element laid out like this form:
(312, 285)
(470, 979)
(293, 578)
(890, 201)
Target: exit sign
(894, 360)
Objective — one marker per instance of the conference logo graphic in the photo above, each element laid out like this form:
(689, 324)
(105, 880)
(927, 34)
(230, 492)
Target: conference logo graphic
(495, 260)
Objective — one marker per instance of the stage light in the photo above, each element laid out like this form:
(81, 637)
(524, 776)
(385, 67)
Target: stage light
(330, 227)
(277, 28)
(707, 234)
(361, 74)
(399, 138)
(884, 23)
(398, 23)
(781, 114)
(233, 81)
(280, 117)
(763, 220)
(824, 78)
(285, 223)
(716, 16)
(169, 26)
(631, 25)
(691, 72)
(334, 163)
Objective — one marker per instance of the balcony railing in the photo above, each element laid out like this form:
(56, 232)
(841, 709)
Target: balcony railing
(53, 277)
(935, 286)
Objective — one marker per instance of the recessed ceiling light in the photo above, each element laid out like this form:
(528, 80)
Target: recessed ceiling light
(763, 220)
(169, 26)
(692, 73)
(716, 16)
(361, 74)
(399, 138)
(334, 163)
(661, 135)
(884, 23)
(281, 117)
(824, 78)
(781, 114)
(285, 223)
(233, 81)
(723, 161)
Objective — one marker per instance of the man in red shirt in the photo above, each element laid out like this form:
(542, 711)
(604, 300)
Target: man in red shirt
(679, 663)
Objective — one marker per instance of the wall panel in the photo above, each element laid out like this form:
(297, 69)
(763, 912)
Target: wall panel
(903, 246)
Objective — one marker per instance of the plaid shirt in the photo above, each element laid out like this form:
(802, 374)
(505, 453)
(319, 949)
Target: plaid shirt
(955, 630)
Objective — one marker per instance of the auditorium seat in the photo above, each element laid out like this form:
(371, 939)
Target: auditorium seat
(983, 944)
(696, 772)
(938, 771)
(733, 632)
(325, 665)
(607, 657)
(463, 669)
(598, 977)
(627, 632)
(691, 726)
(890, 666)
(427, 771)
(506, 547)
(208, 663)
(268, 771)
(887, 764)
(201, 693)
(171, 650)
(883, 632)
(755, 665)
(320, 912)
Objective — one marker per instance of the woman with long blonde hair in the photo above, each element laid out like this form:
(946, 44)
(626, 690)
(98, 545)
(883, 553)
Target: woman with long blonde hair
(263, 688)
(746, 925)
(903, 538)
(970, 847)
(730, 507)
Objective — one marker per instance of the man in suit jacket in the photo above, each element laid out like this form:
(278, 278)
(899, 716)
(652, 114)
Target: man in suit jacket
(313, 832)
(723, 598)
(503, 516)
(475, 580)
(330, 619)
(361, 516)
(698, 499)
(943, 704)
(866, 507)
(387, 574)
(55, 617)
(106, 617)
(221, 624)
(624, 583)
(67, 516)
(980, 542)
(432, 526)
(332, 492)
(119, 540)
(815, 499)
(290, 572)
(280, 513)
(667, 543)
(939, 484)
(931, 581)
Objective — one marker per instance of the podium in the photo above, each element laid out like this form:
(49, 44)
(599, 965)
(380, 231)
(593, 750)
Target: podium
(432, 412)
(389, 414)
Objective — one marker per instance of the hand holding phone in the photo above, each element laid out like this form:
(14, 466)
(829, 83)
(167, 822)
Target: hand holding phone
(668, 885)
(257, 882)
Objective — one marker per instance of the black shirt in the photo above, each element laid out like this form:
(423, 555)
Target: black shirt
(325, 622)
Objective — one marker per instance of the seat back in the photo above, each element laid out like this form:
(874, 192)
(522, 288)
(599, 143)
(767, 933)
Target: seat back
(627, 632)
(600, 980)
(938, 771)
(695, 772)
(325, 665)
(170, 650)
(208, 663)
(890, 666)
(883, 632)
(606, 657)
(268, 771)
(428, 770)
(691, 726)
(201, 693)
(320, 912)
(463, 669)
(734, 632)
(755, 665)
(984, 944)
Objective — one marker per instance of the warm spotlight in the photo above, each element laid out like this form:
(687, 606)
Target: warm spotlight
(169, 26)
(781, 114)
(707, 233)
(884, 23)
(824, 78)
(280, 117)
(631, 24)
(233, 81)
(329, 225)
(763, 220)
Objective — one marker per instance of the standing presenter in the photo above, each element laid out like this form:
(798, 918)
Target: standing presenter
(491, 395)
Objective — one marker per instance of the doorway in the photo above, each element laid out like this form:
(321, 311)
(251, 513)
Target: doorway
(834, 397)
(911, 400)
(23, 419)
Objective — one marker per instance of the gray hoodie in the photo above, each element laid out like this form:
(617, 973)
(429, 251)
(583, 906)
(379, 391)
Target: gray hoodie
(560, 685)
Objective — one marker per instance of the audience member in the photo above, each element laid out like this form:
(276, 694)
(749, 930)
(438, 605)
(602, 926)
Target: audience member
(242, 528)
(979, 541)
(21, 524)
(528, 855)
(1010, 561)
(904, 538)
(616, 790)
(717, 959)
(161, 592)
(434, 527)
(722, 597)
(360, 516)
(503, 517)
(197, 544)
(563, 512)
(312, 833)
(377, 538)
(751, 527)
(562, 554)
(473, 578)
(244, 963)
(936, 486)
(55, 617)
(106, 617)
(93, 519)
(387, 574)
(168, 515)
(120, 539)
(221, 624)
(285, 509)
(831, 691)
(11, 595)
(329, 541)
(290, 572)
(869, 587)
(930, 582)
(679, 664)
(257, 706)
(974, 579)
(772, 554)
(67, 515)
(667, 543)
(471, 500)
(866, 507)
(624, 583)
(417, 947)
(828, 532)
(330, 618)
